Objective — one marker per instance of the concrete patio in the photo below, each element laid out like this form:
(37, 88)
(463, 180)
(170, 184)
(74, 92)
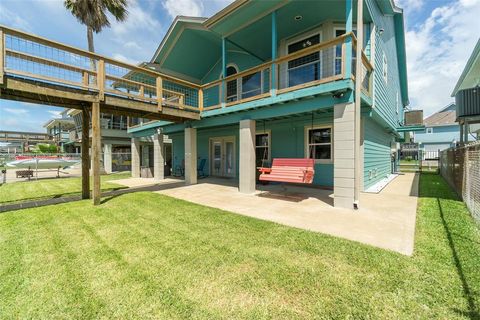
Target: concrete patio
(385, 220)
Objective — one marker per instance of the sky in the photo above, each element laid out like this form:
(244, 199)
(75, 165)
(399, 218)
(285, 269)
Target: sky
(441, 35)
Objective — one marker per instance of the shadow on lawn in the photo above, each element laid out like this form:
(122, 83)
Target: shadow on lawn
(436, 192)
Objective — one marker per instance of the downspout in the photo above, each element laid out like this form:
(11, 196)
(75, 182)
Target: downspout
(358, 104)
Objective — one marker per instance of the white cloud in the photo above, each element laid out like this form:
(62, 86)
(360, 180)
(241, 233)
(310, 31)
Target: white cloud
(13, 20)
(16, 111)
(184, 8)
(437, 51)
(121, 57)
(411, 4)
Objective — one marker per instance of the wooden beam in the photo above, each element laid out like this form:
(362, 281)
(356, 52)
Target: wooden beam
(85, 155)
(101, 79)
(200, 100)
(96, 152)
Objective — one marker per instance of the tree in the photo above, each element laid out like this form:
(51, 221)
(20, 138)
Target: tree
(93, 14)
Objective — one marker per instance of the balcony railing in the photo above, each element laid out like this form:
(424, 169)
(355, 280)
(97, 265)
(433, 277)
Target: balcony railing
(29, 56)
(317, 64)
(33, 57)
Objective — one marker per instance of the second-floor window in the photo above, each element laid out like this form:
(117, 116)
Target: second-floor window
(232, 85)
(429, 130)
(338, 53)
(306, 68)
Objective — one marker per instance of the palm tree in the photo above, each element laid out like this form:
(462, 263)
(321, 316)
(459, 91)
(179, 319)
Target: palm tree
(93, 14)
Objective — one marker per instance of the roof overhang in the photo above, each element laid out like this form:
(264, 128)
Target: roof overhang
(412, 128)
(470, 77)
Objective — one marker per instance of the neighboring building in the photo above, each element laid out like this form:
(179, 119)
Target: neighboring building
(441, 130)
(59, 129)
(116, 142)
(19, 141)
(277, 81)
(467, 97)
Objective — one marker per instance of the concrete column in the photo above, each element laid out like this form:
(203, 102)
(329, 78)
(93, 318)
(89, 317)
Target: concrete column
(135, 157)
(190, 156)
(158, 157)
(461, 133)
(344, 155)
(466, 129)
(107, 158)
(247, 157)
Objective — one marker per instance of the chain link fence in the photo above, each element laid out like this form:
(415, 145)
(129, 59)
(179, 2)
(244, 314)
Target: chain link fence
(460, 167)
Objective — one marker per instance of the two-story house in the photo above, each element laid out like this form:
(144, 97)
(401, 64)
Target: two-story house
(59, 128)
(277, 79)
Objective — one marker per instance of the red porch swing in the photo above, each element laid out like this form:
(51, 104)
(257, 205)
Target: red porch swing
(288, 170)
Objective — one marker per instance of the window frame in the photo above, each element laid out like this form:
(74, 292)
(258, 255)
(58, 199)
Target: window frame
(238, 88)
(307, 143)
(317, 31)
(429, 130)
(335, 29)
(269, 145)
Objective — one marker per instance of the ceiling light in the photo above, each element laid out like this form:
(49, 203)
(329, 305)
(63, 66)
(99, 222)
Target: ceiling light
(298, 18)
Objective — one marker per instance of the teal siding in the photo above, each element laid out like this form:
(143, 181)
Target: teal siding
(385, 93)
(287, 141)
(377, 161)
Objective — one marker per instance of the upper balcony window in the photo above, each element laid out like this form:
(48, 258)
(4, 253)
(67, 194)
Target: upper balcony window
(232, 86)
(306, 68)
(338, 53)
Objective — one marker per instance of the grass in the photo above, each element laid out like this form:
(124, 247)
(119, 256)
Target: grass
(144, 255)
(55, 187)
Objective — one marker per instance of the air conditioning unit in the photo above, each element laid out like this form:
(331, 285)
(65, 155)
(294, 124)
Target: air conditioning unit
(414, 117)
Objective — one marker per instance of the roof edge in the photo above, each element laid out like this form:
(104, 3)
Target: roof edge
(475, 54)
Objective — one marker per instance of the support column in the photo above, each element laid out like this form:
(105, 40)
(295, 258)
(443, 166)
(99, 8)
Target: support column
(344, 155)
(273, 84)
(461, 133)
(107, 158)
(158, 157)
(223, 95)
(348, 40)
(96, 152)
(135, 149)
(85, 155)
(466, 129)
(358, 103)
(247, 174)
(190, 156)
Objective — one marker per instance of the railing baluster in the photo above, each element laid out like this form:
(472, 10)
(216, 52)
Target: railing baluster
(159, 83)
(200, 100)
(2, 55)
(101, 79)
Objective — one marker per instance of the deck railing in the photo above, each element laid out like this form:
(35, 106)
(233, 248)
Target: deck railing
(317, 64)
(32, 57)
(29, 56)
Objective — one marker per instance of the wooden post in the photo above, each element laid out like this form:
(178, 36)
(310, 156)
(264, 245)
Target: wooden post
(200, 100)
(141, 92)
(2, 55)
(86, 78)
(96, 152)
(85, 154)
(101, 80)
(181, 101)
(159, 93)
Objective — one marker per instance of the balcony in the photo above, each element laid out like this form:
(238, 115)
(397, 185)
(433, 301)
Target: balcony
(318, 64)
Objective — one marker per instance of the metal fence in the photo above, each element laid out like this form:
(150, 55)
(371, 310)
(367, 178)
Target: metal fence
(460, 167)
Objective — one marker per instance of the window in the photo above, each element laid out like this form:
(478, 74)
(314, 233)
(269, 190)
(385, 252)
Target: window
(319, 143)
(306, 68)
(251, 85)
(385, 68)
(429, 130)
(262, 148)
(231, 85)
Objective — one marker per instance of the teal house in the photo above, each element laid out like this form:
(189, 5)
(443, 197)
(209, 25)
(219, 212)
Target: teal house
(324, 80)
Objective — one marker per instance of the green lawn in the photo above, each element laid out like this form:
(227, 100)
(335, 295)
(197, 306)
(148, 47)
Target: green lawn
(143, 255)
(54, 187)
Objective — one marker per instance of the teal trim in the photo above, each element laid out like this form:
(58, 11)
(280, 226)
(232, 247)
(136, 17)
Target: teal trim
(273, 85)
(336, 86)
(348, 41)
(417, 128)
(224, 71)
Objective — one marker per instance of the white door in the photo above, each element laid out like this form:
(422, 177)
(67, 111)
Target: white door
(222, 155)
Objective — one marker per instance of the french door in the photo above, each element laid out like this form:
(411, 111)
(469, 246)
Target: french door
(222, 156)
